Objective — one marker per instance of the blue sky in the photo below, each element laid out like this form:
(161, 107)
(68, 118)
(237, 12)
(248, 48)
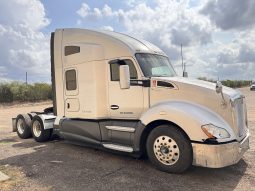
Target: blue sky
(61, 17)
(217, 36)
(66, 16)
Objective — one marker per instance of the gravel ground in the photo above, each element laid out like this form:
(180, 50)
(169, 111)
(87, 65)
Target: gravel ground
(57, 165)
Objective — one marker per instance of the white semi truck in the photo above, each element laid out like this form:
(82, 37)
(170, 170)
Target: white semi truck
(115, 92)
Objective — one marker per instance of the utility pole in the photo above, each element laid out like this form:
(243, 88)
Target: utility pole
(184, 73)
(26, 78)
(182, 59)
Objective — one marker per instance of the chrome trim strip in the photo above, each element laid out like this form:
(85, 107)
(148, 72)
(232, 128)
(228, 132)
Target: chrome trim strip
(120, 128)
(118, 148)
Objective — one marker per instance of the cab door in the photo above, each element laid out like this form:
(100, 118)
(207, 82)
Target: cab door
(125, 103)
(72, 105)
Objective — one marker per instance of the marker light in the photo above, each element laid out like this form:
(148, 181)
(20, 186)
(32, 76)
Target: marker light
(213, 131)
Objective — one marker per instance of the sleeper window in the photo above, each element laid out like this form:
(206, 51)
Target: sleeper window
(71, 80)
(114, 67)
(71, 50)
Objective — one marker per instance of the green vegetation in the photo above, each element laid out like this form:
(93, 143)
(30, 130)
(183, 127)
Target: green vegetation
(230, 83)
(16, 91)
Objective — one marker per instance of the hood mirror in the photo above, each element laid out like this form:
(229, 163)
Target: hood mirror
(218, 87)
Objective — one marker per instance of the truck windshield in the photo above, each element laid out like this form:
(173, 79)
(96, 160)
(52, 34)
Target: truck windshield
(154, 65)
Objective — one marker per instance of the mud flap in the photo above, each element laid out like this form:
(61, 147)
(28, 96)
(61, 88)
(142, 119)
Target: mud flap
(14, 128)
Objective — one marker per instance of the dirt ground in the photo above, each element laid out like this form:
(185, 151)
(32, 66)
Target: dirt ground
(57, 165)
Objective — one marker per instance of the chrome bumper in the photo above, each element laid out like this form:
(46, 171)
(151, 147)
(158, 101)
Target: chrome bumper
(217, 156)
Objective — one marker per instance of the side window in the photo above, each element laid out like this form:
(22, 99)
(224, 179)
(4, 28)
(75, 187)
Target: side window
(115, 76)
(71, 50)
(114, 68)
(71, 80)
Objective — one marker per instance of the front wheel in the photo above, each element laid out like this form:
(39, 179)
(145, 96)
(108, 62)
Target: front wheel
(39, 133)
(169, 149)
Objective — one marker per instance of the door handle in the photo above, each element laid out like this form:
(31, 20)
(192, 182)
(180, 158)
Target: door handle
(68, 105)
(114, 107)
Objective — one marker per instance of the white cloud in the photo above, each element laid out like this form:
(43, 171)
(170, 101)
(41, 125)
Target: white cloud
(24, 48)
(97, 13)
(94, 14)
(133, 3)
(23, 12)
(108, 28)
(162, 25)
(231, 14)
(245, 40)
(107, 11)
(233, 60)
(84, 10)
(171, 23)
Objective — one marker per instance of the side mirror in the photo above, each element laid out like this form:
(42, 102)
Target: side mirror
(124, 77)
(218, 87)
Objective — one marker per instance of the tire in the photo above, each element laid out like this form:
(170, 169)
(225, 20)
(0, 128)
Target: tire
(39, 133)
(169, 150)
(23, 123)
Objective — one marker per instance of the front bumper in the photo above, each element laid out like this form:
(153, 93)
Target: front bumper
(217, 156)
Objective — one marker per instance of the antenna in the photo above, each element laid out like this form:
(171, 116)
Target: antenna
(184, 73)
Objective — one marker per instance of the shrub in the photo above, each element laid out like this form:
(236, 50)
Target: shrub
(16, 91)
(6, 94)
(230, 83)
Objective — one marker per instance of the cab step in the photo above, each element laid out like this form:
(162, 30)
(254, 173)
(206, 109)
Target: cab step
(118, 147)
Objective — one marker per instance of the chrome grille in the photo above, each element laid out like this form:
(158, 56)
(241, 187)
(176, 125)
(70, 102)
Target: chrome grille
(240, 116)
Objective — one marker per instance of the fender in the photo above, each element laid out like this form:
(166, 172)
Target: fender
(48, 120)
(188, 116)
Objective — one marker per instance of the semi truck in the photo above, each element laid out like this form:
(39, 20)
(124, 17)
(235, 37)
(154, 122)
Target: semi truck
(118, 93)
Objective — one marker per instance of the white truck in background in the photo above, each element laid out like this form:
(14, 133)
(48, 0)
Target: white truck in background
(252, 87)
(115, 92)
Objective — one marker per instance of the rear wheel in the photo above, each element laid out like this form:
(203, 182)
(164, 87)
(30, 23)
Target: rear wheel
(23, 123)
(169, 149)
(39, 133)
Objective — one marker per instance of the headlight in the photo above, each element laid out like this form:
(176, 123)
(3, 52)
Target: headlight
(213, 131)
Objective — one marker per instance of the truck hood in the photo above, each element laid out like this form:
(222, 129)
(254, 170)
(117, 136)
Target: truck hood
(197, 92)
(180, 81)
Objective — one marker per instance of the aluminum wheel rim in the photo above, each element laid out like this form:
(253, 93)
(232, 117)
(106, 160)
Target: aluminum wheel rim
(37, 128)
(21, 126)
(166, 150)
